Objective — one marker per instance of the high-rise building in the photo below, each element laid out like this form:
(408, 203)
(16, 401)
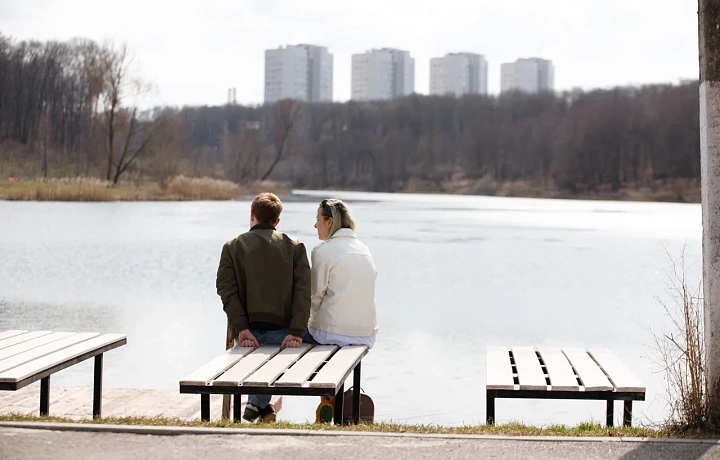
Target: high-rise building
(458, 74)
(382, 74)
(303, 72)
(532, 75)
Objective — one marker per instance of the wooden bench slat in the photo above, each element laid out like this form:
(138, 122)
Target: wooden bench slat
(85, 342)
(27, 345)
(11, 333)
(621, 377)
(562, 377)
(266, 375)
(43, 350)
(530, 373)
(217, 366)
(335, 369)
(499, 369)
(246, 366)
(297, 375)
(592, 377)
(20, 338)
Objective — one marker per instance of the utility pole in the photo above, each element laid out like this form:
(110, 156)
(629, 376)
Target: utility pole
(709, 38)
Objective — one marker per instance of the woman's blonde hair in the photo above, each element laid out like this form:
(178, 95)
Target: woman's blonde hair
(339, 213)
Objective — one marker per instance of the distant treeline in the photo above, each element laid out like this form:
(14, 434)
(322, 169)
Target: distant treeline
(67, 108)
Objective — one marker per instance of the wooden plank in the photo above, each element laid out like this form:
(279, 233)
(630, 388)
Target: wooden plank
(31, 344)
(252, 362)
(39, 352)
(266, 375)
(499, 369)
(591, 376)
(335, 369)
(11, 333)
(76, 403)
(562, 377)
(297, 375)
(619, 375)
(11, 341)
(217, 366)
(530, 373)
(84, 342)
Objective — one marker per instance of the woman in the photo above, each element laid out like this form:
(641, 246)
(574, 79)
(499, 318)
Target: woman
(343, 287)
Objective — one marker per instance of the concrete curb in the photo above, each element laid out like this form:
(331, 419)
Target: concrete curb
(186, 430)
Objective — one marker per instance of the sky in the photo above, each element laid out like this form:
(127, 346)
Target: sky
(193, 51)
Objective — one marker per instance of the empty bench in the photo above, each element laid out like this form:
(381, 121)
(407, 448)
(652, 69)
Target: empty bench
(309, 370)
(555, 373)
(26, 357)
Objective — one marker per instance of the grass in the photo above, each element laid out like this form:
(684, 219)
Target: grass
(180, 188)
(510, 429)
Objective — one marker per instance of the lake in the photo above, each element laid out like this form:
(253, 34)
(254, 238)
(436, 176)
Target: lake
(456, 273)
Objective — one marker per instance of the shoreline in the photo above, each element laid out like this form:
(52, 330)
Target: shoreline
(207, 189)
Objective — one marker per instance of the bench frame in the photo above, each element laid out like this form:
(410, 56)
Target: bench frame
(44, 377)
(609, 396)
(206, 390)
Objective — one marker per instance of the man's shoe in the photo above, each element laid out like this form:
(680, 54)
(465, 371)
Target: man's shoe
(268, 414)
(251, 413)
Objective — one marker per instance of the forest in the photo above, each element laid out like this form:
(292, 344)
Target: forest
(75, 109)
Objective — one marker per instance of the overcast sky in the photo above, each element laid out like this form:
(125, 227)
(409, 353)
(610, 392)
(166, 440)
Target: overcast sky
(193, 51)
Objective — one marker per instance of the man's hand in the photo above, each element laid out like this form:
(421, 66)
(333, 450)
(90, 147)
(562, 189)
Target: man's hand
(247, 339)
(291, 341)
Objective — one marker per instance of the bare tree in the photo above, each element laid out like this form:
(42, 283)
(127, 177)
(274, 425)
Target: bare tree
(287, 114)
(137, 137)
(119, 86)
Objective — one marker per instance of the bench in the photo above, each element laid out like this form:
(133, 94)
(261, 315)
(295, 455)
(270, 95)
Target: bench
(555, 373)
(309, 370)
(29, 356)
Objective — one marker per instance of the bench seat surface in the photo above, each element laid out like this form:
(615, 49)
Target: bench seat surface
(558, 369)
(321, 366)
(24, 354)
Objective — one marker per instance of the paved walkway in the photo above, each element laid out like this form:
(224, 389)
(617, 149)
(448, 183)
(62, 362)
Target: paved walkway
(21, 444)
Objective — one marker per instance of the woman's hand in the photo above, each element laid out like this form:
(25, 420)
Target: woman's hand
(291, 341)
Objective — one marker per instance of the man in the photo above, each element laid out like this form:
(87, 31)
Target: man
(264, 283)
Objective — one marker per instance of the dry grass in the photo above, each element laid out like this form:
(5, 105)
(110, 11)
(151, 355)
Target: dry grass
(510, 429)
(180, 188)
(680, 352)
(75, 189)
(203, 188)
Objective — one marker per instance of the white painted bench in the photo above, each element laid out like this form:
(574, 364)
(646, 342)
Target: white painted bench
(306, 371)
(29, 356)
(555, 373)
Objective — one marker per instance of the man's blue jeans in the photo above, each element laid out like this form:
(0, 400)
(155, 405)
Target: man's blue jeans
(265, 337)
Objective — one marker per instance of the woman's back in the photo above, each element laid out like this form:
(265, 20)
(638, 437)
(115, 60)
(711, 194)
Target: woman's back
(343, 287)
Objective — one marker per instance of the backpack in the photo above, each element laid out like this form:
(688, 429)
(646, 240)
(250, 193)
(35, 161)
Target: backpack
(367, 407)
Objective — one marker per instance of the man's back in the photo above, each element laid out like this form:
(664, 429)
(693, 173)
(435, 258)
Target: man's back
(264, 277)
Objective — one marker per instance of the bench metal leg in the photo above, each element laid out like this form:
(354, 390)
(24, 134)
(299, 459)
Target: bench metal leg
(205, 407)
(627, 414)
(45, 396)
(356, 395)
(610, 416)
(237, 401)
(339, 397)
(97, 387)
(490, 408)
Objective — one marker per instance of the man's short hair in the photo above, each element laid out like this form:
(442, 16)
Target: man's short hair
(266, 208)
